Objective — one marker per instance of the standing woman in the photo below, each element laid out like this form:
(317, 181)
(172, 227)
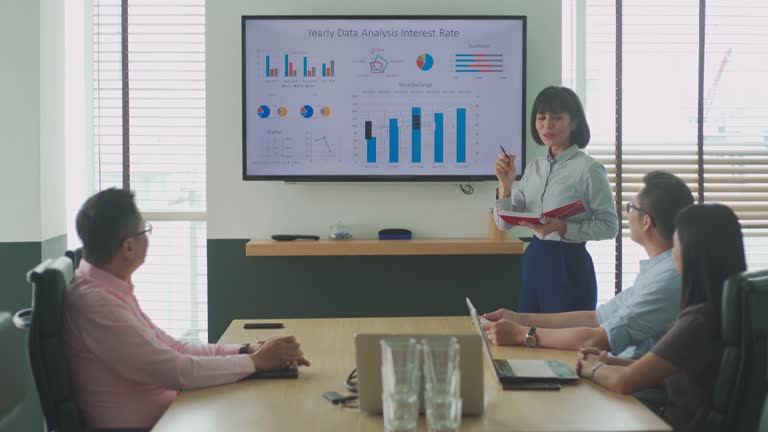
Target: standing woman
(558, 273)
(708, 249)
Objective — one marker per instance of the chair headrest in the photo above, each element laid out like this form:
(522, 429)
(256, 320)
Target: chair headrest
(62, 264)
(744, 293)
(757, 301)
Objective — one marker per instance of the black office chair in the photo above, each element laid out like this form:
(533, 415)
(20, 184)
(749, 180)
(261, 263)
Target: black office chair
(76, 256)
(47, 353)
(13, 387)
(763, 426)
(741, 384)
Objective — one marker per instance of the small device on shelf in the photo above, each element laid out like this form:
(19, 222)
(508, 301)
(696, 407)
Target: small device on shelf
(289, 237)
(395, 234)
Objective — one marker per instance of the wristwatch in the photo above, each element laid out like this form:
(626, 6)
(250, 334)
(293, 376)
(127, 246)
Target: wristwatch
(244, 348)
(530, 338)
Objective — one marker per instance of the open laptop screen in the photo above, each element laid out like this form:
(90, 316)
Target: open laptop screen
(483, 337)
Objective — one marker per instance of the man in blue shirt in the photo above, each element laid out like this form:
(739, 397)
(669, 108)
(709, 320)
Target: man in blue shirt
(635, 319)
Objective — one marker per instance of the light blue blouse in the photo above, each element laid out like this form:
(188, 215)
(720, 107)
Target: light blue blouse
(552, 182)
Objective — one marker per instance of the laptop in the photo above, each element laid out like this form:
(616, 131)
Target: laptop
(524, 374)
(368, 357)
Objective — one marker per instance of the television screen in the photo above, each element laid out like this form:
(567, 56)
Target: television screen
(381, 98)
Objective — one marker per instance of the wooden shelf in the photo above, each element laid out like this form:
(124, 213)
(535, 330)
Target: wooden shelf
(324, 247)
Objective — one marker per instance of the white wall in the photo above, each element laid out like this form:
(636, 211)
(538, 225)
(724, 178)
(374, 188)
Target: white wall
(31, 120)
(78, 111)
(52, 76)
(20, 120)
(238, 209)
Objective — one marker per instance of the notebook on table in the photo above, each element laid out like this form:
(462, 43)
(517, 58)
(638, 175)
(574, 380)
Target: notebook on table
(516, 374)
(284, 373)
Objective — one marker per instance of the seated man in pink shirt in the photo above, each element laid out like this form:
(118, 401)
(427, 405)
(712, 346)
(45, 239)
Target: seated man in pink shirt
(126, 371)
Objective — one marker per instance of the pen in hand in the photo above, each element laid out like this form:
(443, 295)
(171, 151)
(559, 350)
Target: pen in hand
(507, 167)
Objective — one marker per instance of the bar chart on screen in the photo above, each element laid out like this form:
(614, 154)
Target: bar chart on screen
(440, 132)
(297, 64)
(478, 63)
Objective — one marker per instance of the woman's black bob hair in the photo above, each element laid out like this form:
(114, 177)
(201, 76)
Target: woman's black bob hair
(558, 100)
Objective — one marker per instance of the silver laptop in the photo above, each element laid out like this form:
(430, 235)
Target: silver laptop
(368, 356)
(524, 374)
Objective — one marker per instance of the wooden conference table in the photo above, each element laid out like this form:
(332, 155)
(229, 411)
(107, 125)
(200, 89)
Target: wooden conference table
(298, 405)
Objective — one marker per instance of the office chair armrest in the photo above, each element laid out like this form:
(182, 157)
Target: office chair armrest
(23, 318)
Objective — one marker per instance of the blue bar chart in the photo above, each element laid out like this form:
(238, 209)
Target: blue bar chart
(394, 141)
(418, 127)
(291, 67)
(438, 137)
(478, 63)
(370, 143)
(415, 135)
(461, 135)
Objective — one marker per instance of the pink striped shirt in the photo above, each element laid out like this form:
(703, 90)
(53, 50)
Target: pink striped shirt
(125, 370)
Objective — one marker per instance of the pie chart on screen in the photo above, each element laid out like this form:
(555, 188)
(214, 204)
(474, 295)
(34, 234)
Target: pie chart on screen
(325, 111)
(282, 111)
(263, 111)
(425, 62)
(307, 111)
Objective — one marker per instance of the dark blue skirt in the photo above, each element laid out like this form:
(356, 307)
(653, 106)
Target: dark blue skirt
(557, 277)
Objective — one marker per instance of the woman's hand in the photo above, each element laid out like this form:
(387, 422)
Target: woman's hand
(584, 365)
(551, 225)
(602, 356)
(506, 173)
(587, 358)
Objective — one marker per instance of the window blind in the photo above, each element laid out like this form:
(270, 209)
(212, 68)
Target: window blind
(589, 67)
(161, 77)
(736, 117)
(659, 96)
(107, 94)
(659, 100)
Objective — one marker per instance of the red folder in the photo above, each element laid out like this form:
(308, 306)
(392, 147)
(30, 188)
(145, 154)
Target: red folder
(566, 211)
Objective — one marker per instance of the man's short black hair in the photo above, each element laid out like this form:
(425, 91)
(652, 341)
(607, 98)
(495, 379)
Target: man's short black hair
(556, 100)
(104, 222)
(662, 197)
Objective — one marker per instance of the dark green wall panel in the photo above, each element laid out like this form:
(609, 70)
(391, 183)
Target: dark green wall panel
(352, 286)
(16, 258)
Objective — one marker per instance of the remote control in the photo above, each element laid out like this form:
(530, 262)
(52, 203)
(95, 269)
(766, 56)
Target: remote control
(289, 237)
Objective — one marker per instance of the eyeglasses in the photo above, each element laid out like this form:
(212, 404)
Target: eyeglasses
(633, 208)
(147, 230)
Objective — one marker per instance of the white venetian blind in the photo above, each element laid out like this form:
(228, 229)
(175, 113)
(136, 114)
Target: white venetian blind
(736, 117)
(659, 101)
(589, 67)
(166, 146)
(107, 93)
